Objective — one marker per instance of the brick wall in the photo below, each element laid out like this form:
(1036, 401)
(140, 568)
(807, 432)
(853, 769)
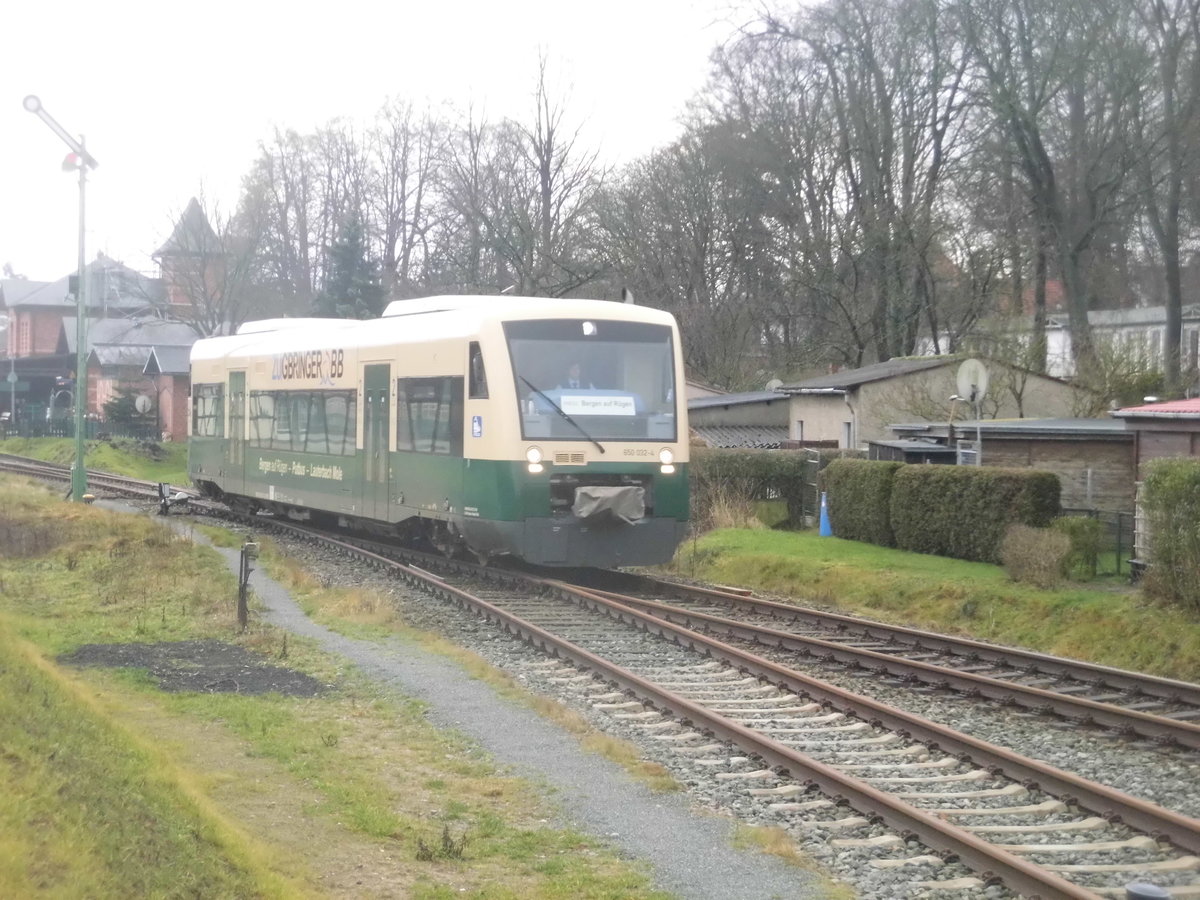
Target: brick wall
(1111, 462)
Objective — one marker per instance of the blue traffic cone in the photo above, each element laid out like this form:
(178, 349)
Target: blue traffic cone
(826, 528)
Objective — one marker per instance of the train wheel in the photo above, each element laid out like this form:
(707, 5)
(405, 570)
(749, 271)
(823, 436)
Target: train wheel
(444, 540)
(242, 506)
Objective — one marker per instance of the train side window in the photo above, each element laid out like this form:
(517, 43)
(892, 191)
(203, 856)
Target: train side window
(318, 427)
(429, 415)
(208, 410)
(341, 414)
(477, 375)
(404, 429)
(262, 418)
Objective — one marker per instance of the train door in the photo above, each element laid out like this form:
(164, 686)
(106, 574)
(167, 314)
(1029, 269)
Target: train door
(375, 475)
(237, 432)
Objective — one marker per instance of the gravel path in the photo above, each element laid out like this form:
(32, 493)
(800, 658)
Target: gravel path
(689, 853)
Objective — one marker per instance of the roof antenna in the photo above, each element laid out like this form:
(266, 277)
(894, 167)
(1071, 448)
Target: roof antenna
(626, 295)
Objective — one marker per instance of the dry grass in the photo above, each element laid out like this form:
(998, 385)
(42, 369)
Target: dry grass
(724, 507)
(1037, 556)
(777, 842)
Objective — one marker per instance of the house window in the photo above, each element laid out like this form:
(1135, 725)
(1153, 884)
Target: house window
(847, 434)
(799, 429)
(1192, 348)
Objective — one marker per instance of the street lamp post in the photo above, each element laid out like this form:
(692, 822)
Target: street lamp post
(82, 160)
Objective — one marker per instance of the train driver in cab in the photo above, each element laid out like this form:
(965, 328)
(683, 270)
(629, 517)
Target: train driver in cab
(575, 380)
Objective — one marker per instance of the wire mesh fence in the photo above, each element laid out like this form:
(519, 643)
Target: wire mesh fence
(1116, 539)
(65, 428)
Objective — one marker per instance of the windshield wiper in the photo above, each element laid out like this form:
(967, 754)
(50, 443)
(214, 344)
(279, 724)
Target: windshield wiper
(558, 409)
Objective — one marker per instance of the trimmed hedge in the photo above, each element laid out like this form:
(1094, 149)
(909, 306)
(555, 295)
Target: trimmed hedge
(1171, 499)
(963, 511)
(863, 508)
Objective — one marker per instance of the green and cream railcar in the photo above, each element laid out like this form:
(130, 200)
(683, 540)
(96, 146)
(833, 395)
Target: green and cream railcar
(552, 430)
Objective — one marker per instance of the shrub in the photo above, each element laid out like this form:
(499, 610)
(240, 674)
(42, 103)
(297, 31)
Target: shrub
(753, 475)
(1036, 556)
(963, 511)
(1171, 499)
(859, 496)
(1085, 534)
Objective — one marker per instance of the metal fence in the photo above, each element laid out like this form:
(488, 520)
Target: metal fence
(1116, 539)
(65, 428)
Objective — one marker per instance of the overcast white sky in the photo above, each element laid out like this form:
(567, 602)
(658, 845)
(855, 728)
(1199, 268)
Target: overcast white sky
(173, 98)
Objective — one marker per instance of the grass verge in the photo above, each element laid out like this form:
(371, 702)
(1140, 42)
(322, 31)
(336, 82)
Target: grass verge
(1109, 624)
(91, 810)
(135, 459)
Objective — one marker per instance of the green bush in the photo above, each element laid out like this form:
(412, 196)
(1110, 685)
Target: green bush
(718, 474)
(963, 511)
(1086, 535)
(1171, 500)
(1036, 556)
(859, 499)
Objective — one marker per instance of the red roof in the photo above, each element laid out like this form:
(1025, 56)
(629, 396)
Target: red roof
(1170, 409)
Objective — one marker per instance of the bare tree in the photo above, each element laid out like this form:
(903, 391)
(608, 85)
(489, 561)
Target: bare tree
(672, 234)
(405, 150)
(1060, 78)
(1167, 121)
(517, 197)
(457, 259)
(279, 193)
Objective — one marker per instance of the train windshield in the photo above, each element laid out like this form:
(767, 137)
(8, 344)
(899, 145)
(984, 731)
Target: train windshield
(610, 380)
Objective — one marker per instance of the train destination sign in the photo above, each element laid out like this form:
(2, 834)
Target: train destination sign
(587, 405)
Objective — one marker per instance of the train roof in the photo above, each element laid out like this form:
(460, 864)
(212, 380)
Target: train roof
(409, 321)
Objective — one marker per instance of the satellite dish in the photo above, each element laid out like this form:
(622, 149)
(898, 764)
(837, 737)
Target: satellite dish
(142, 403)
(774, 384)
(972, 380)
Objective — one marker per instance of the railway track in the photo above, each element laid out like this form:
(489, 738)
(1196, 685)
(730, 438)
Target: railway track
(777, 735)
(1130, 703)
(104, 483)
(1054, 683)
(1080, 692)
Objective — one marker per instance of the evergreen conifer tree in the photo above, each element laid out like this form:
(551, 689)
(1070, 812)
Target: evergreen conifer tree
(353, 287)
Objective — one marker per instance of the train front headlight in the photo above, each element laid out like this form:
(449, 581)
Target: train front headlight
(666, 456)
(533, 455)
